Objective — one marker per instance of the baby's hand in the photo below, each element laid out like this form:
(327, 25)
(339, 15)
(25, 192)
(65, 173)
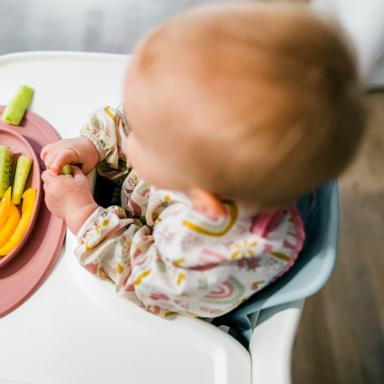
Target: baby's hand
(69, 197)
(79, 150)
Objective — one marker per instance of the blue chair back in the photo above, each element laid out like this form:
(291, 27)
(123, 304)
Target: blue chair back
(311, 270)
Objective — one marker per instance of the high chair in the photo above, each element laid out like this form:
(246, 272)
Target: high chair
(281, 304)
(76, 329)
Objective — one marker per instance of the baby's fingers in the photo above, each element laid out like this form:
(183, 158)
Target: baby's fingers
(77, 172)
(62, 158)
(50, 158)
(45, 151)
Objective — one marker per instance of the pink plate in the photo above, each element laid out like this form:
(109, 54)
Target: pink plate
(20, 146)
(23, 275)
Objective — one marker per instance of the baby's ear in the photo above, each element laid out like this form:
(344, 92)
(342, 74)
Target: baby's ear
(206, 202)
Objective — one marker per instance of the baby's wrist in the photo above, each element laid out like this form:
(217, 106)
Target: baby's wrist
(88, 150)
(78, 217)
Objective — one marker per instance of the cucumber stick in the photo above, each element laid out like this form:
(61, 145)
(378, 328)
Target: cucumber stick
(16, 108)
(6, 158)
(23, 168)
(67, 170)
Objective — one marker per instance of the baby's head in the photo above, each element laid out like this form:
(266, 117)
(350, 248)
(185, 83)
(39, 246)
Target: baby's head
(254, 103)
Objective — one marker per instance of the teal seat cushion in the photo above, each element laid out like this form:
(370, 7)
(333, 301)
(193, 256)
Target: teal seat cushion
(311, 270)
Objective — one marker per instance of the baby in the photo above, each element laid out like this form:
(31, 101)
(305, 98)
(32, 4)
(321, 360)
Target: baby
(230, 114)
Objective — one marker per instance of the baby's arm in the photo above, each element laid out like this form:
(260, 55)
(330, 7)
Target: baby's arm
(101, 143)
(108, 132)
(104, 243)
(182, 267)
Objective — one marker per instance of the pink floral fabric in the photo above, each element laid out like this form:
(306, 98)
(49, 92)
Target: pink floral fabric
(173, 258)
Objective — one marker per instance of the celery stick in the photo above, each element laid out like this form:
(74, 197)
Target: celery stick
(16, 108)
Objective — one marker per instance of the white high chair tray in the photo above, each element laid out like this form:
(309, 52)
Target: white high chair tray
(74, 329)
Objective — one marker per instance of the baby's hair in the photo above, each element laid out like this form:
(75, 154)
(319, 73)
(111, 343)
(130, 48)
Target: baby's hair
(293, 116)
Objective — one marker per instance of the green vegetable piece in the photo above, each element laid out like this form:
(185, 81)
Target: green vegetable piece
(16, 108)
(67, 170)
(6, 157)
(23, 168)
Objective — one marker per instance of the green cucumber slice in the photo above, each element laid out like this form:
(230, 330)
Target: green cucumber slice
(6, 157)
(16, 108)
(23, 168)
(67, 170)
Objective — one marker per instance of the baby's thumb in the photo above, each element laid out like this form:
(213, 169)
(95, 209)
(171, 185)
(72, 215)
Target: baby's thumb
(77, 172)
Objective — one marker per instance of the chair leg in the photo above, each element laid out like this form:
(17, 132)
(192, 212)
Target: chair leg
(272, 342)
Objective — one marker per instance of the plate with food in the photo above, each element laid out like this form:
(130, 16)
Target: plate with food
(20, 192)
